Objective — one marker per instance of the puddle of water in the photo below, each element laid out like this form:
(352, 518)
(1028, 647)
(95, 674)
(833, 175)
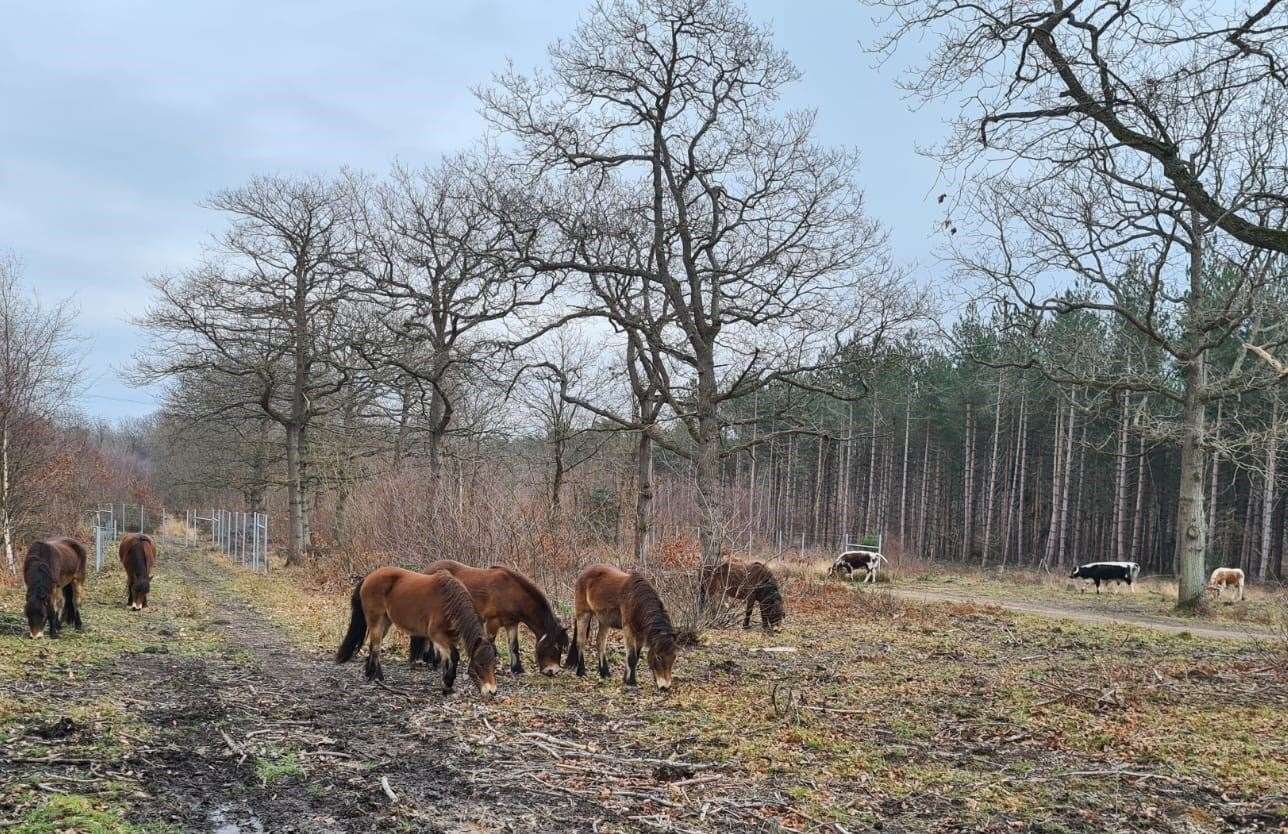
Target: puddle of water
(222, 822)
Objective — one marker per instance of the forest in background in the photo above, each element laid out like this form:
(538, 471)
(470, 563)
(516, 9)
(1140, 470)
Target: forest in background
(669, 332)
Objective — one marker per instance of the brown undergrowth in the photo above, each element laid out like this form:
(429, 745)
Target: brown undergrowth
(867, 710)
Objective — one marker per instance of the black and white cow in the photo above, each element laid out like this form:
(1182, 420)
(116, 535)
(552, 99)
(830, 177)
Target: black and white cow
(853, 561)
(1106, 572)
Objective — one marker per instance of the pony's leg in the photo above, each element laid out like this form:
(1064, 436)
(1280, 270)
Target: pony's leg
(376, 636)
(52, 617)
(746, 620)
(443, 659)
(581, 641)
(451, 660)
(416, 650)
(632, 657)
(516, 656)
(76, 593)
(602, 636)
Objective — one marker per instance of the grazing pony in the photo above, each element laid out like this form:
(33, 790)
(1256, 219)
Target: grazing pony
(139, 556)
(618, 599)
(1223, 578)
(750, 581)
(437, 607)
(54, 572)
(507, 599)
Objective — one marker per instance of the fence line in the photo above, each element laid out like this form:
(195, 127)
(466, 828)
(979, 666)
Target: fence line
(243, 536)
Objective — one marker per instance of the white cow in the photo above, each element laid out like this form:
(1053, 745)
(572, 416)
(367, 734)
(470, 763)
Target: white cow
(1223, 578)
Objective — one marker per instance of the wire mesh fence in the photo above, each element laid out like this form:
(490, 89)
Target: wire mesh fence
(111, 520)
(243, 536)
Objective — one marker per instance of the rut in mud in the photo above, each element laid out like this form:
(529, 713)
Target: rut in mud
(234, 731)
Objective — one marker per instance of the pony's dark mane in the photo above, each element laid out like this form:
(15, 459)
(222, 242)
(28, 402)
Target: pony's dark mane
(767, 592)
(650, 613)
(549, 622)
(139, 560)
(39, 571)
(458, 607)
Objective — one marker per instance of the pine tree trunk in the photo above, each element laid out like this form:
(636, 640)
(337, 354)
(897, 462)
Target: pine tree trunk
(1268, 498)
(1120, 485)
(1057, 467)
(869, 503)
(903, 479)
(992, 474)
(1078, 520)
(968, 482)
(1064, 493)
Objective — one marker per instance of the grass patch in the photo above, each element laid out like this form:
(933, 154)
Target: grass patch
(964, 708)
(276, 765)
(1154, 597)
(72, 813)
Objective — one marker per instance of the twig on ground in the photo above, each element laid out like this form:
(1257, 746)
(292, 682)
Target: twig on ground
(389, 792)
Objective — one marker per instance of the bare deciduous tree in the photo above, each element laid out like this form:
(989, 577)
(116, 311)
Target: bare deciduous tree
(39, 372)
(656, 122)
(266, 312)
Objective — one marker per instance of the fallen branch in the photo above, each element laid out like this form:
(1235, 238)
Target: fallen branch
(389, 792)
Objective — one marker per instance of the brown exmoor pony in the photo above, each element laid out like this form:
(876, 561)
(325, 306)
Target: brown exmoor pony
(506, 599)
(139, 556)
(54, 572)
(437, 607)
(618, 599)
(750, 581)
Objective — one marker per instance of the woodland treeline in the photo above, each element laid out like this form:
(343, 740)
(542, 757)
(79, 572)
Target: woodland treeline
(55, 462)
(649, 314)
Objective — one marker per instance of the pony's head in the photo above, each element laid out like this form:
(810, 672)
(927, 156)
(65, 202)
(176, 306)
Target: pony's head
(142, 584)
(550, 650)
(483, 667)
(40, 599)
(661, 659)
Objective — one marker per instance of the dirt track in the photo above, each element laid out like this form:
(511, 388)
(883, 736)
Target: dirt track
(1168, 625)
(259, 706)
(236, 729)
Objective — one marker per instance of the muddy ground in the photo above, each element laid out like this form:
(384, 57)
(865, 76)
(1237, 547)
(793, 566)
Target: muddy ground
(208, 713)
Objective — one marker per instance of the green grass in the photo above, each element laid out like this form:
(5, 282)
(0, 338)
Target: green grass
(73, 814)
(276, 765)
(47, 681)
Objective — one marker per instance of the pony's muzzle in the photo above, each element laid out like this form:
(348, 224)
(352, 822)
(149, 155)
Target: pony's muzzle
(488, 690)
(37, 633)
(550, 671)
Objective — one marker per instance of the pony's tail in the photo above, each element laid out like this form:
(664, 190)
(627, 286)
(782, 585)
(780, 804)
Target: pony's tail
(772, 609)
(139, 567)
(574, 650)
(357, 626)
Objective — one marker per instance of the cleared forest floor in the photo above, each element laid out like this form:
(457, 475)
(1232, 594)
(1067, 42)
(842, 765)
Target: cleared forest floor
(1263, 613)
(219, 709)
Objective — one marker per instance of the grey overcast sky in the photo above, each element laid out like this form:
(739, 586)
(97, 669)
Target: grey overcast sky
(118, 116)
